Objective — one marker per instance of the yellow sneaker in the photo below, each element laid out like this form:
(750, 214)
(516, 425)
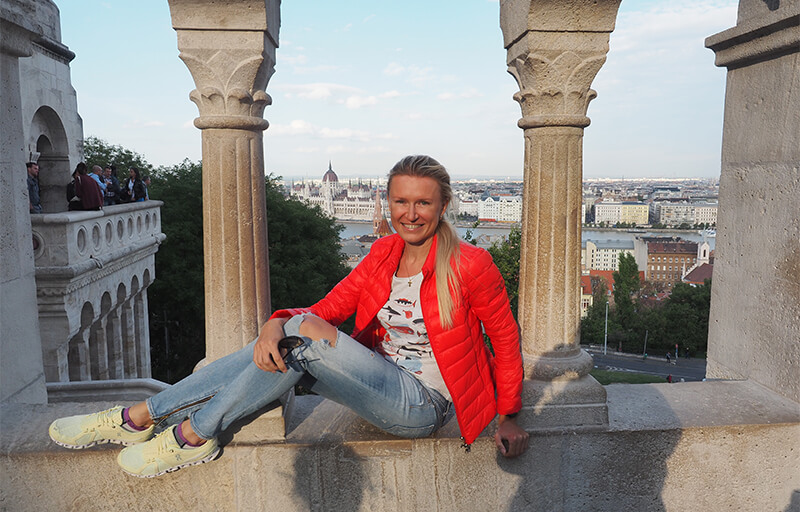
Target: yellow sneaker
(99, 428)
(163, 454)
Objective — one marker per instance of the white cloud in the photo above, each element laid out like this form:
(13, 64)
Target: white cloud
(296, 127)
(360, 101)
(469, 93)
(302, 128)
(153, 123)
(412, 74)
(368, 18)
(336, 149)
(344, 133)
(393, 69)
(317, 91)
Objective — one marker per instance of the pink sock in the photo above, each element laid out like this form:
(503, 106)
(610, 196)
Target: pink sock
(182, 441)
(128, 422)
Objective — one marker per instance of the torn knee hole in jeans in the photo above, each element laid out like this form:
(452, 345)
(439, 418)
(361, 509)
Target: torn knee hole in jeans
(314, 328)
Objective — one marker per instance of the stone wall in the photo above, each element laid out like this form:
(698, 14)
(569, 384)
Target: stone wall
(755, 304)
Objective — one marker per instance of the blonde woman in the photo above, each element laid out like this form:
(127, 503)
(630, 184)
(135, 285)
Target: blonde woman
(422, 300)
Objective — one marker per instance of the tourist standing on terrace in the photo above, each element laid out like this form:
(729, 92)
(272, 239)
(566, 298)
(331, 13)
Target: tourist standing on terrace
(34, 199)
(417, 352)
(133, 190)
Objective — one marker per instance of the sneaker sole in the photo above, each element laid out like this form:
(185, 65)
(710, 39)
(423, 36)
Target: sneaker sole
(93, 443)
(208, 458)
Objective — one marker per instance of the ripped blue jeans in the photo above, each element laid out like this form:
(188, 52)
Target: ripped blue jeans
(345, 371)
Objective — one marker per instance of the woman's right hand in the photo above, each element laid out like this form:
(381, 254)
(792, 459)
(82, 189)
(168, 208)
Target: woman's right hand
(266, 353)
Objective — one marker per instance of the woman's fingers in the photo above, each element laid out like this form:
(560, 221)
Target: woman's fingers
(510, 439)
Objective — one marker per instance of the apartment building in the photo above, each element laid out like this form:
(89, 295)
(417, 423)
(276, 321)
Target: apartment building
(500, 209)
(630, 212)
(604, 254)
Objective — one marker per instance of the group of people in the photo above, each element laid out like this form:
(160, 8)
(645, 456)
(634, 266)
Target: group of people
(101, 187)
(422, 299)
(92, 190)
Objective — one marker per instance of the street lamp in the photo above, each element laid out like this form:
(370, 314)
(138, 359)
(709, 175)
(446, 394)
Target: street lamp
(605, 336)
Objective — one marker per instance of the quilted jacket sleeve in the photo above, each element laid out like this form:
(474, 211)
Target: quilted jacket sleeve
(489, 301)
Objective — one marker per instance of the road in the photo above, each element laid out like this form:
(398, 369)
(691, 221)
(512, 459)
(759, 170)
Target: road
(687, 369)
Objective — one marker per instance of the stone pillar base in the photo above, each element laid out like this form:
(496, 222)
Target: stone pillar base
(563, 404)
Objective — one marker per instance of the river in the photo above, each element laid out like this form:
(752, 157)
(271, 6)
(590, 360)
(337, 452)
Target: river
(352, 229)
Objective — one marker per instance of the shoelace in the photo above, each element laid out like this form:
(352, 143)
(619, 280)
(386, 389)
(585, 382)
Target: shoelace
(106, 418)
(157, 447)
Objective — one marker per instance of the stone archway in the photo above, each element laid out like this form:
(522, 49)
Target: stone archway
(49, 139)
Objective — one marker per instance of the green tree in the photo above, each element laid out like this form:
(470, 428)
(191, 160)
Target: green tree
(593, 325)
(99, 152)
(506, 256)
(305, 257)
(176, 297)
(626, 284)
(686, 317)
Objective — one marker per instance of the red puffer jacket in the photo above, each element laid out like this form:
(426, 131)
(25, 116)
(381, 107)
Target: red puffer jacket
(480, 384)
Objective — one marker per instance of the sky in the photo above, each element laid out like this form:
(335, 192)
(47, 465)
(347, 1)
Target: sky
(361, 83)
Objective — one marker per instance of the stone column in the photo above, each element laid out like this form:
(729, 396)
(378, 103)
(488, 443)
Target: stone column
(229, 49)
(127, 319)
(21, 367)
(142, 336)
(116, 368)
(79, 356)
(756, 335)
(555, 49)
(98, 350)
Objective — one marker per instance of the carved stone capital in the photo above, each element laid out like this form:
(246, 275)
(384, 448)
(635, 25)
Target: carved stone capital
(555, 49)
(230, 52)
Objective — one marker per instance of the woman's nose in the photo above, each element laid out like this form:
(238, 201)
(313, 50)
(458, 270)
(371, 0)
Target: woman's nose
(412, 213)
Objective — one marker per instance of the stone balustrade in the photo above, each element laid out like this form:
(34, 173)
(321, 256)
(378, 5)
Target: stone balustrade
(92, 273)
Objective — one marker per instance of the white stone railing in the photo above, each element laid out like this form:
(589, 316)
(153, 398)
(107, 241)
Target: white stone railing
(92, 273)
(70, 238)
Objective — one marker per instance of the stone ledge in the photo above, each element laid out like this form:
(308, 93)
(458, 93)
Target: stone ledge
(668, 447)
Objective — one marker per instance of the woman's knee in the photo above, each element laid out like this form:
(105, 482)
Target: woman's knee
(318, 329)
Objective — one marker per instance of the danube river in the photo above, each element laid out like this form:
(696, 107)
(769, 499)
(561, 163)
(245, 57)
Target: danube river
(352, 229)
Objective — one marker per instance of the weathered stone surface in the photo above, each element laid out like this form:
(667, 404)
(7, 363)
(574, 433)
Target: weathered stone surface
(755, 304)
(667, 447)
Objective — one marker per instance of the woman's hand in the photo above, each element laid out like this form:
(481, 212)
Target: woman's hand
(511, 439)
(266, 353)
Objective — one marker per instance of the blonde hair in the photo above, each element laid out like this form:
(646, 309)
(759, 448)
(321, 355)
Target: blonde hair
(447, 248)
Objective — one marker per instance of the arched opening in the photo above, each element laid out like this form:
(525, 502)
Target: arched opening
(78, 355)
(49, 139)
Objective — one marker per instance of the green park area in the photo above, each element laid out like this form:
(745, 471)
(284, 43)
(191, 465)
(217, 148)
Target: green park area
(606, 377)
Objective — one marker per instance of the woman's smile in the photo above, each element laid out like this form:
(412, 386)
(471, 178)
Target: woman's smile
(415, 205)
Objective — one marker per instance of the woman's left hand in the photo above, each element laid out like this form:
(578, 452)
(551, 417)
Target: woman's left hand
(511, 439)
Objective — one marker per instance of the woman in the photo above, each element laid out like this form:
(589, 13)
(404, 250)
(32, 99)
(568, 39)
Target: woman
(133, 190)
(87, 191)
(420, 298)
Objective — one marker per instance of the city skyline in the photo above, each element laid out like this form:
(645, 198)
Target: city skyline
(433, 84)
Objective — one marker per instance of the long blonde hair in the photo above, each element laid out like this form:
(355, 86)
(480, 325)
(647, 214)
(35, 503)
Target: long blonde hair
(447, 247)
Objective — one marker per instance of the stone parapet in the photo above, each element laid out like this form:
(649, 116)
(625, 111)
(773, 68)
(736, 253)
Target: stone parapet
(666, 447)
(92, 273)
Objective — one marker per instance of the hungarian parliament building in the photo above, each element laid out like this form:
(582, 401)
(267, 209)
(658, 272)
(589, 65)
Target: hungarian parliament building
(343, 201)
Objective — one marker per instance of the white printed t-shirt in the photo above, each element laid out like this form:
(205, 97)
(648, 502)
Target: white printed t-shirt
(406, 341)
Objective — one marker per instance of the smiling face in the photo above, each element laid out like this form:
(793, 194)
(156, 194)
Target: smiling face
(415, 204)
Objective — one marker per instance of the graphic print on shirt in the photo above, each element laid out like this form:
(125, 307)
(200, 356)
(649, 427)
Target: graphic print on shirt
(406, 339)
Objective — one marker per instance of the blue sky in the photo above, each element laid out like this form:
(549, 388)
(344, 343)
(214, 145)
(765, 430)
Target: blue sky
(363, 83)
